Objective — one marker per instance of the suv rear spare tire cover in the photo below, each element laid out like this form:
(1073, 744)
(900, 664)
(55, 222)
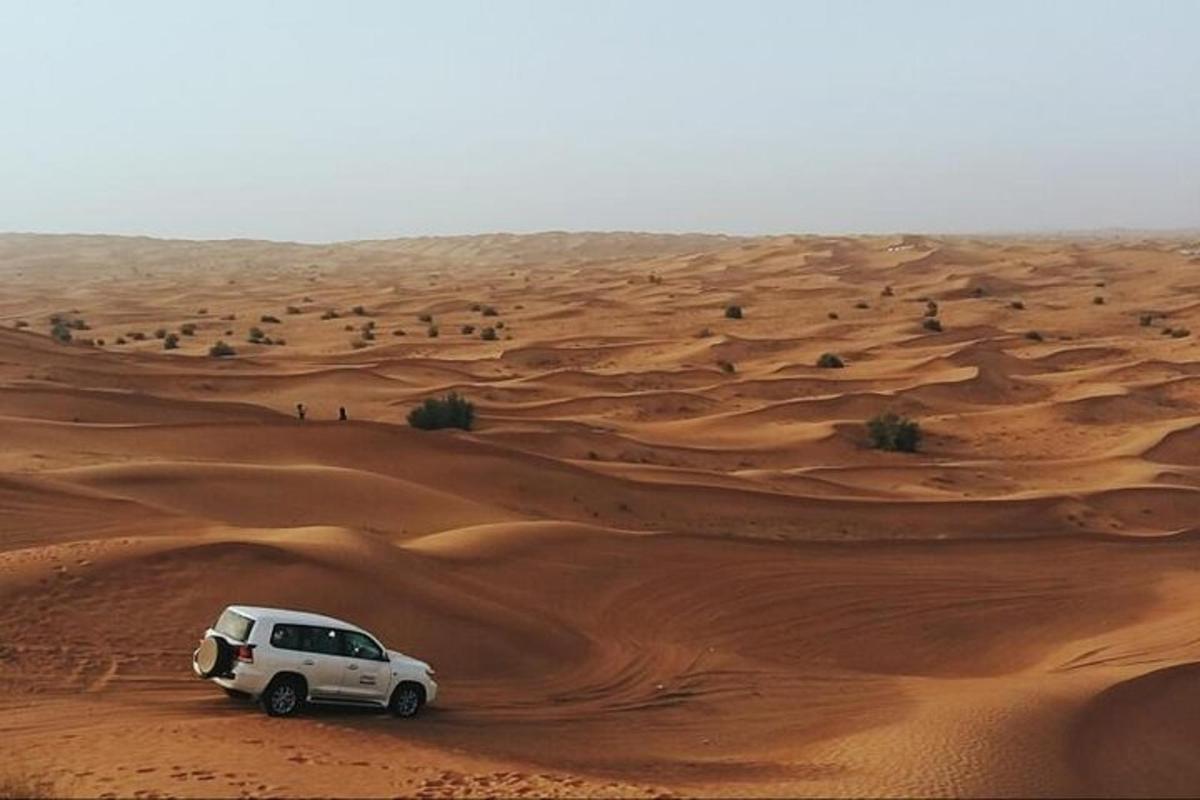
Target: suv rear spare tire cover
(214, 657)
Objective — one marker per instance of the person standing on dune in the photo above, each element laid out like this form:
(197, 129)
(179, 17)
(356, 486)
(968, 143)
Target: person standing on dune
(342, 414)
(301, 411)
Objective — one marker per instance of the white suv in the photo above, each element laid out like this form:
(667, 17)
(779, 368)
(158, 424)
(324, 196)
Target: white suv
(285, 659)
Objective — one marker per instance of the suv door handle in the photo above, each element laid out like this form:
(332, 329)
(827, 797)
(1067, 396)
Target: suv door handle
(352, 666)
(308, 662)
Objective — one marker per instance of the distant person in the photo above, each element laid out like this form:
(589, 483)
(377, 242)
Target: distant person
(301, 411)
(342, 413)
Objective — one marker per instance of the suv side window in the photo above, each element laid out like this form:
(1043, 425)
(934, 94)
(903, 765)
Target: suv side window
(357, 645)
(286, 637)
(326, 641)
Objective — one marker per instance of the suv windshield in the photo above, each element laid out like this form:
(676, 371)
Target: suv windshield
(233, 625)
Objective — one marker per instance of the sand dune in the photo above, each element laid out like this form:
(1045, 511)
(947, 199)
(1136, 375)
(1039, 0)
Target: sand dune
(666, 562)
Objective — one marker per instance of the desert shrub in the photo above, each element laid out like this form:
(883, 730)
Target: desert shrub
(100, 342)
(1179, 333)
(931, 308)
(890, 431)
(1098, 300)
(425, 317)
(292, 310)
(359, 311)
(348, 327)
(202, 311)
(136, 336)
(86, 342)
(171, 341)
(862, 304)
(229, 332)
(399, 332)
(1017, 305)
(79, 325)
(358, 343)
(61, 332)
(476, 307)
(24, 786)
(733, 312)
(830, 361)
(1100, 284)
(727, 366)
(704, 333)
(160, 333)
(120, 340)
(221, 349)
(432, 331)
(488, 334)
(229, 318)
(888, 291)
(1034, 336)
(265, 318)
(20, 324)
(489, 311)
(932, 324)
(467, 330)
(451, 411)
(832, 315)
(188, 329)
(500, 325)
(256, 334)
(1147, 319)
(330, 314)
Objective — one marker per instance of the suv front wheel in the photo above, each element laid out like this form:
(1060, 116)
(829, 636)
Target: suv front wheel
(407, 700)
(284, 697)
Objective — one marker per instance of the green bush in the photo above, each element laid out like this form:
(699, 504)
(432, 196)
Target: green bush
(467, 330)
(932, 324)
(890, 431)
(488, 334)
(830, 361)
(221, 349)
(61, 332)
(733, 312)
(188, 329)
(171, 341)
(256, 334)
(451, 411)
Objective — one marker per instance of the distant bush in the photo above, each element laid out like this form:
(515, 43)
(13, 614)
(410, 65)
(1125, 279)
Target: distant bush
(188, 329)
(488, 334)
(890, 431)
(359, 311)
(1147, 319)
(931, 308)
(1098, 300)
(888, 291)
(280, 341)
(488, 311)
(202, 311)
(1179, 333)
(476, 307)
(100, 342)
(977, 291)
(500, 325)
(830, 361)
(161, 333)
(704, 333)
(368, 334)
(727, 366)
(399, 332)
(467, 330)
(1017, 305)
(451, 411)
(136, 336)
(832, 315)
(432, 331)
(862, 304)
(229, 317)
(1034, 336)
(347, 327)
(221, 350)
(20, 324)
(61, 332)
(256, 335)
(120, 340)
(171, 341)
(932, 324)
(733, 312)
(229, 332)
(292, 310)
(269, 318)
(425, 317)
(358, 343)
(330, 314)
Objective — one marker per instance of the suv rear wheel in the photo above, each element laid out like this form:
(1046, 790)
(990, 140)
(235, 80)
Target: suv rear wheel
(284, 697)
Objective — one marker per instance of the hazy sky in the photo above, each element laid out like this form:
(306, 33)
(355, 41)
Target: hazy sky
(338, 120)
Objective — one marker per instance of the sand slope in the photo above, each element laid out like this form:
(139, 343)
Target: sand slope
(665, 563)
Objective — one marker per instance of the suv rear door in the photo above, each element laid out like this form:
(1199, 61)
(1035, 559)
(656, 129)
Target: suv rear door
(315, 652)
